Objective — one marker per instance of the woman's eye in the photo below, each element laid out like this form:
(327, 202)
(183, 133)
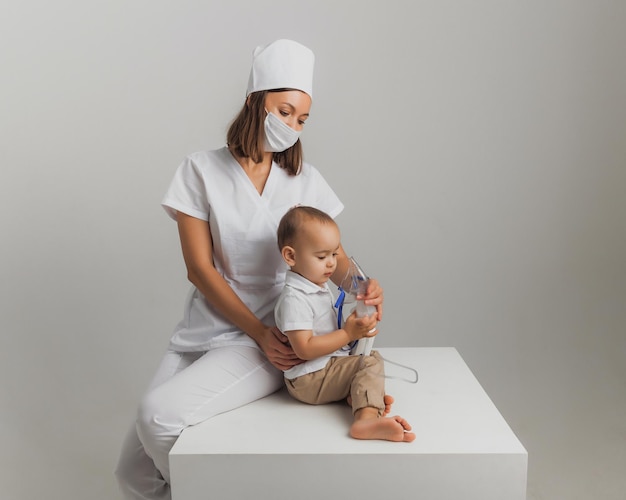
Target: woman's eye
(284, 113)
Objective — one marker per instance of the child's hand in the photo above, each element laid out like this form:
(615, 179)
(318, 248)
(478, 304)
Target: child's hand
(358, 328)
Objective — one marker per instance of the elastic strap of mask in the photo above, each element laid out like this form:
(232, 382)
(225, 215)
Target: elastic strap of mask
(412, 380)
(413, 370)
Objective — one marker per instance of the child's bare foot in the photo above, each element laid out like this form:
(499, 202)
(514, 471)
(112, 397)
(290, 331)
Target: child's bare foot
(368, 425)
(385, 428)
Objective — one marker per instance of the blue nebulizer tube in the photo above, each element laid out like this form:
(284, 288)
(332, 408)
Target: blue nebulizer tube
(355, 283)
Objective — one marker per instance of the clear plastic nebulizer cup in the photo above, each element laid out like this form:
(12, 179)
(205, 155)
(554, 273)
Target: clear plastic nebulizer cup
(355, 283)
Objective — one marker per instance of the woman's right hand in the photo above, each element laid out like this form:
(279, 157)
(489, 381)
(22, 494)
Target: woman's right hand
(275, 345)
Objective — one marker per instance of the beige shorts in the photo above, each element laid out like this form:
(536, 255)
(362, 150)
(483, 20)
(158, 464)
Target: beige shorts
(361, 377)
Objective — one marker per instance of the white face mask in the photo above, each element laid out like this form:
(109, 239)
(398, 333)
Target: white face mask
(278, 135)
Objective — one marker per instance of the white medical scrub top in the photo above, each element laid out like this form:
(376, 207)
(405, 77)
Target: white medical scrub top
(212, 186)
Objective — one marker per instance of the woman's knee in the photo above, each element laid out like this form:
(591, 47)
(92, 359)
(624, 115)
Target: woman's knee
(155, 417)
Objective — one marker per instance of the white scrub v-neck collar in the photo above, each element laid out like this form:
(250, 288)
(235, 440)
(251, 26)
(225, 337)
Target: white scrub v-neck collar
(251, 188)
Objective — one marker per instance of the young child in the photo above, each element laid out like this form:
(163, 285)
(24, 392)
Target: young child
(309, 242)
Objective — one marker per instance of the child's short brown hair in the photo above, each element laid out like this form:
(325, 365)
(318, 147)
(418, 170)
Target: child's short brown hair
(292, 221)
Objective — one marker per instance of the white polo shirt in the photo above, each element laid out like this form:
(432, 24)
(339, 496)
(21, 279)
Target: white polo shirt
(212, 186)
(303, 305)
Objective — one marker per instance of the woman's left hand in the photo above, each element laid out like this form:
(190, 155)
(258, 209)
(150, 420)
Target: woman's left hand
(374, 297)
(275, 345)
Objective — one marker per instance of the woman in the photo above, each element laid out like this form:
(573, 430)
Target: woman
(226, 351)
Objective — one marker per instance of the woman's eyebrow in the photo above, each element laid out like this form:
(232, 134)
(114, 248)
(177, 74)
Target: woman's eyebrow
(293, 108)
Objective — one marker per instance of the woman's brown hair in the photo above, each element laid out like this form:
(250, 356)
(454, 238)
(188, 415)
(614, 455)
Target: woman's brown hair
(246, 135)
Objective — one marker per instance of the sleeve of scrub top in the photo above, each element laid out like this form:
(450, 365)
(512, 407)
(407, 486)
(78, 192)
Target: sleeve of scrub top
(327, 200)
(186, 192)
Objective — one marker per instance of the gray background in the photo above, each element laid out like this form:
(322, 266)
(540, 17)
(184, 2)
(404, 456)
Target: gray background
(479, 148)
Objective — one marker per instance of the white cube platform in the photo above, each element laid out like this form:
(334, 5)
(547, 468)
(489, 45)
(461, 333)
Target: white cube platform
(278, 448)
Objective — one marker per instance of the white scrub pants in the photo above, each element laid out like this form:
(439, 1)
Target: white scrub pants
(187, 389)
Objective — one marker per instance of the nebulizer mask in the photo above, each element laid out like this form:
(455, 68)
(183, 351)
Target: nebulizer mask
(354, 284)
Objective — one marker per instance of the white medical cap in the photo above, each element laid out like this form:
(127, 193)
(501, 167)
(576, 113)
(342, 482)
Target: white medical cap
(283, 64)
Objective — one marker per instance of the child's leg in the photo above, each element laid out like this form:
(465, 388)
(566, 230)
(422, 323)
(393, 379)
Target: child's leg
(389, 400)
(369, 404)
(328, 385)
(368, 383)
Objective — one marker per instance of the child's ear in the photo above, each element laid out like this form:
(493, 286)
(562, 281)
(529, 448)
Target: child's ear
(289, 255)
